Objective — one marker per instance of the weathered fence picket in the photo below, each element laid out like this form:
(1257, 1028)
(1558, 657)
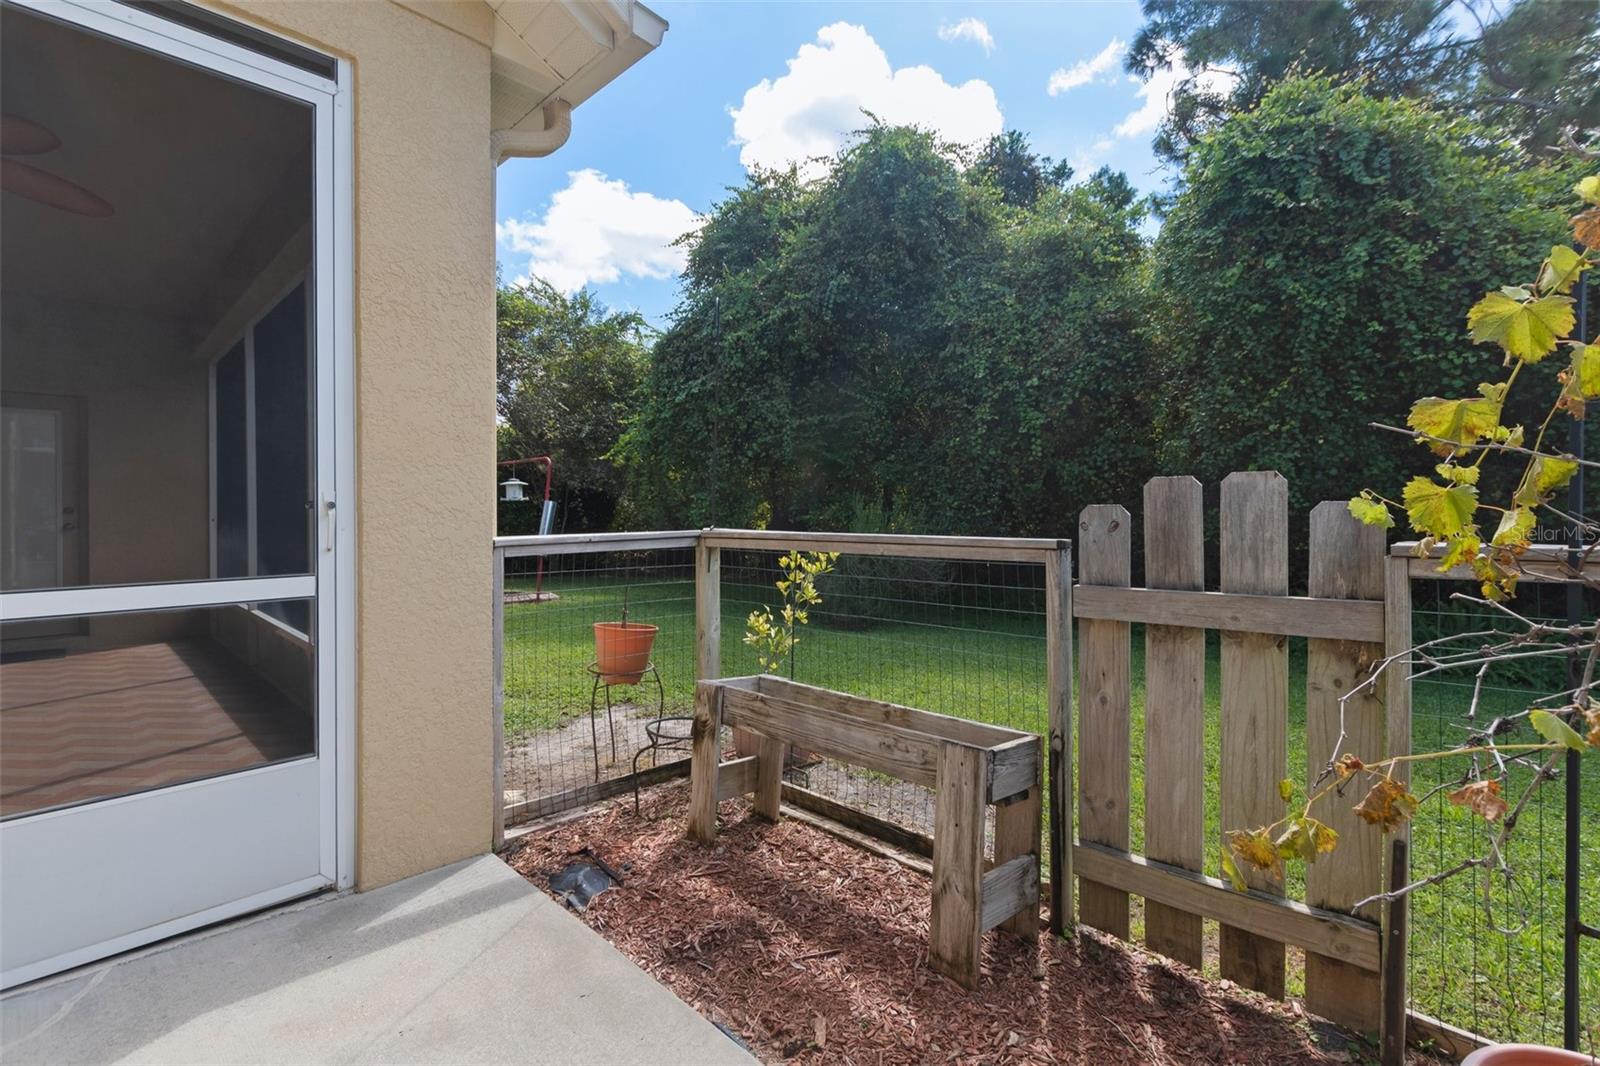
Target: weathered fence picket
(1104, 711)
(1174, 710)
(1347, 561)
(1255, 703)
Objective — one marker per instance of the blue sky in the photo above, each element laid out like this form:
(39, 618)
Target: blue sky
(747, 82)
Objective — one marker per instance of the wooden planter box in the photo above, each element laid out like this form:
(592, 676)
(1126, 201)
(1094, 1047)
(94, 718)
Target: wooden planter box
(969, 765)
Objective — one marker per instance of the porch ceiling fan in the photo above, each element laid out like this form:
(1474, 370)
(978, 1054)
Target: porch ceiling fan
(20, 136)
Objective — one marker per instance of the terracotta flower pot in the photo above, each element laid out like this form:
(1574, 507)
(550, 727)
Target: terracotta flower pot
(622, 650)
(1524, 1055)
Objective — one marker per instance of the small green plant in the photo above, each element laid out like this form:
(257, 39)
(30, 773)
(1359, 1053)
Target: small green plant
(772, 636)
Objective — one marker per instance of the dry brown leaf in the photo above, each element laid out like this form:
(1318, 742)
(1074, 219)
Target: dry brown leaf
(1483, 798)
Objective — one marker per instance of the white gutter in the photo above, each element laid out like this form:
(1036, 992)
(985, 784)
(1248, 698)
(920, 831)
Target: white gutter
(531, 144)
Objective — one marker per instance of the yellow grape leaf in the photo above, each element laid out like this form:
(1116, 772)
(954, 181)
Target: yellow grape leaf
(1588, 190)
(1561, 270)
(1545, 475)
(1580, 382)
(1386, 804)
(1552, 728)
(1459, 549)
(1461, 422)
(1461, 475)
(1442, 510)
(1286, 790)
(1371, 512)
(1515, 529)
(1526, 329)
(1482, 798)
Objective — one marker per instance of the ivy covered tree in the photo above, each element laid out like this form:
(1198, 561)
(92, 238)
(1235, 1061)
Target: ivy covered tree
(1312, 269)
(902, 329)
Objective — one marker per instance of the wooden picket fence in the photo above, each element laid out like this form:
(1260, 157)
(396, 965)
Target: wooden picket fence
(1357, 611)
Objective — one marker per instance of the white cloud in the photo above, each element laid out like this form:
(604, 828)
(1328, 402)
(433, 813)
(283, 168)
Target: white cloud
(1085, 71)
(968, 29)
(811, 110)
(1156, 95)
(597, 230)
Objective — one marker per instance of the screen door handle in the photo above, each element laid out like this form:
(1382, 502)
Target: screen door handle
(330, 524)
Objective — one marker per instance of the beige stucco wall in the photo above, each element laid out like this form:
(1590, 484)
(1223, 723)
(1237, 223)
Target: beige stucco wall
(424, 321)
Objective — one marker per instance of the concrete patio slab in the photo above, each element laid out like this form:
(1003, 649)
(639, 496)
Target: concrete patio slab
(466, 964)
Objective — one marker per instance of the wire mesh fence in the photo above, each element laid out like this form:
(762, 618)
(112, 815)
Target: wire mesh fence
(1491, 961)
(968, 639)
(568, 732)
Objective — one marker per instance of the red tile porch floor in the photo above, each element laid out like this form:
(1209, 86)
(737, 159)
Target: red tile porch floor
(104, 723)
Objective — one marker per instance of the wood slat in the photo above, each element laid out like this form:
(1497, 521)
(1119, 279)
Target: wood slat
(1014, 769)
(994, 549)
(1289, 616)
(1347, 562)
(1011, 890)
(1283, 920)
(954, 931)
(1255, 703)
(899, 752)
(978, 734)
(1104, 558)
(736, 777)
(1174, 710)
(1016, 835)
(583, 543)
(1397, 741)
(1058, 683)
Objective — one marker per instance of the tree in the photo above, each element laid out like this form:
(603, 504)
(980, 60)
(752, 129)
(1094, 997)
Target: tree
(1312, 269)
(1008, 163)
(903, 337)
(1531, 73)
(568, 375)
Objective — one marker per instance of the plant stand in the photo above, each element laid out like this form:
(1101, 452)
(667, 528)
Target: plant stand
(594, 698)
(970, 765)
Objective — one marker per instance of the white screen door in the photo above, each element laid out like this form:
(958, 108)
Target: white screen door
(173, 657)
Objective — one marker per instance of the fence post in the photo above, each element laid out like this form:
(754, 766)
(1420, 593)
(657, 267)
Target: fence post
(707, 611)
(1105, 710)
(1397, 640)
(1347, 562)
(1058, 672)
(1174, 709)
(498, 722)
(1255, 702)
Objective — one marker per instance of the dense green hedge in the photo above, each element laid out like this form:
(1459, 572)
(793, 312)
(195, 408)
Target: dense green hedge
(1314, 276)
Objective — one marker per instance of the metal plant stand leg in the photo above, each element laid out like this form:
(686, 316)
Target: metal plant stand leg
(594, 735)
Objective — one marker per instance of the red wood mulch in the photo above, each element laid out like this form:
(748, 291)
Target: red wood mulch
(815, 951)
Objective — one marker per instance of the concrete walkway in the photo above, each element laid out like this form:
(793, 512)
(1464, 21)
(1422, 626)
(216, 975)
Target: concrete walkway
(466, 964)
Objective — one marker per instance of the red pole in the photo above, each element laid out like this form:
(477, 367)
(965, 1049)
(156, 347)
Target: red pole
(549, 478)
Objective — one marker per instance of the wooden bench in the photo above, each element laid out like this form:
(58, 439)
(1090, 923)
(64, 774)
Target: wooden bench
(969, 765)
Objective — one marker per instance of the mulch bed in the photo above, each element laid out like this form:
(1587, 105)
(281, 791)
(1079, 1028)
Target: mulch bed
(813, 951)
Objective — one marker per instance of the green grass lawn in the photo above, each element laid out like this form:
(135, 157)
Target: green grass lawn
(988, 664)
